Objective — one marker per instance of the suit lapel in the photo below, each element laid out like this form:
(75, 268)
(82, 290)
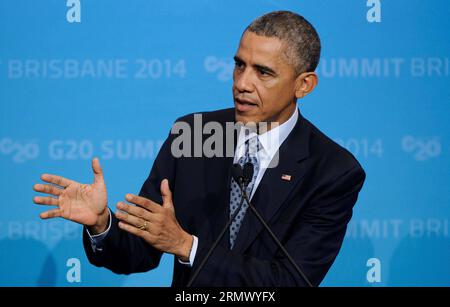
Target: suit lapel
(273, 190)
(219, 168)
(219, 214)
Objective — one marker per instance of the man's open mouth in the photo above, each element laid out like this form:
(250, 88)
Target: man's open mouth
(244, 105)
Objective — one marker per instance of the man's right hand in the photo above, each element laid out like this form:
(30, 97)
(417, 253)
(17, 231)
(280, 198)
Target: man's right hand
(85, 204)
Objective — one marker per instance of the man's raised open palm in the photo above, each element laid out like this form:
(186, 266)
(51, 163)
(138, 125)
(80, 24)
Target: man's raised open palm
(85, 204)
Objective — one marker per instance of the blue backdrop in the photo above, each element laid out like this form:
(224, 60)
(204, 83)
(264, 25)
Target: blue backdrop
(110, 81)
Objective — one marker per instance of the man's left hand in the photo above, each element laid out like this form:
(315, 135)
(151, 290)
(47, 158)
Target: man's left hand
(154, 223)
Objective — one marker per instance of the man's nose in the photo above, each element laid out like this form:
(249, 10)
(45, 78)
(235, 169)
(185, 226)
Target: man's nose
(243, 81)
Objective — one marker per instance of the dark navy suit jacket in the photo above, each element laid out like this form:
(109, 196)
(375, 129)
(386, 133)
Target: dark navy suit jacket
(309, 213)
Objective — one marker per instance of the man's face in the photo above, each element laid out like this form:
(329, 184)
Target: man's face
(264, 83)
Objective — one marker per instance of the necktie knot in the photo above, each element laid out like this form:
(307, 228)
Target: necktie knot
(252, 147)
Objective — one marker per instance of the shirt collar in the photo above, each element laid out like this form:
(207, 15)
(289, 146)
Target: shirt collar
(270, 140)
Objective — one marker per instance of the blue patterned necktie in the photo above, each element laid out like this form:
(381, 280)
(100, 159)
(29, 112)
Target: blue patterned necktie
(252, 146)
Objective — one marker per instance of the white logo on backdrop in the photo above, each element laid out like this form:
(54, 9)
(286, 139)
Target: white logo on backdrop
(22, 151)
(140, 69)
(422, 148)
(398, 228)
(223, 68)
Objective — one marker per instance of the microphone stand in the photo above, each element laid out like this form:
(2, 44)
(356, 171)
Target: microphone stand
(243, 178)
(241, 182)
(267, 227)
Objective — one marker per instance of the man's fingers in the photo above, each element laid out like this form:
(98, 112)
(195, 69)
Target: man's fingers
(48, 189)
(50, 201)
(138, 212)
(166, 194)
(131, 219)
(133, 230)
(98, 172)
(61, 181)
(51, 214)
(143, 202)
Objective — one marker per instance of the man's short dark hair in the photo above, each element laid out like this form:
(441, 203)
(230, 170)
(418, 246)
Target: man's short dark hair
(299, 36)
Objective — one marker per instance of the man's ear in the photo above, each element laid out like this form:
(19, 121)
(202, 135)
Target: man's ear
(305, 83)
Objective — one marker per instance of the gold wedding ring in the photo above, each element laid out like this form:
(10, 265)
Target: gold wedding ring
(144, 227)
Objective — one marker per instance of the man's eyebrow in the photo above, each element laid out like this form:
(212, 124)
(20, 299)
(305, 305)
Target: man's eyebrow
(265, 68)
(238, 59)
(257, 66)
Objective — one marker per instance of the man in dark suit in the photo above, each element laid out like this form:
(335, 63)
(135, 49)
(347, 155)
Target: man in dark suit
(304, 185)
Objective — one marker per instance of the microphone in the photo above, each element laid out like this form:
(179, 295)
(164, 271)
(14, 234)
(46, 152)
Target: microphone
(248, 174)
(238, 174)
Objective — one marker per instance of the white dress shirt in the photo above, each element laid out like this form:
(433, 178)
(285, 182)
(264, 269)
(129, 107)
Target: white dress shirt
(270, 141)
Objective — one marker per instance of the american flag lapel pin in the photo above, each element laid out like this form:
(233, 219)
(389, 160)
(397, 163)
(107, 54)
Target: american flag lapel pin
(286, 177)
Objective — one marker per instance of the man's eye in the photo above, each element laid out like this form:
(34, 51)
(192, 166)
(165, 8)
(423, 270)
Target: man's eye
(238, 64)
(264, 72)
